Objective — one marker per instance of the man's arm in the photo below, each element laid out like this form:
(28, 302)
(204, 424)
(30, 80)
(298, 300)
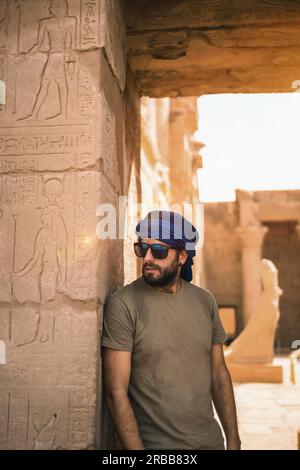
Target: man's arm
(223, 397)
(117, 368)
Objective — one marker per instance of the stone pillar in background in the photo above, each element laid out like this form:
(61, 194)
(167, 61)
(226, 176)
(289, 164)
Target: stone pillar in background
(170, 159)
(154, 144)
(184, 160)
(252, 238)
(63, 64)
(183, 122)
(197, 163)
(251, 233)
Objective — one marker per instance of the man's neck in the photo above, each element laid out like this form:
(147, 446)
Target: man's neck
(171, 288)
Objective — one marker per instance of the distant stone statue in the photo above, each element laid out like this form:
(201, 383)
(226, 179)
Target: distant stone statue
(255, 343)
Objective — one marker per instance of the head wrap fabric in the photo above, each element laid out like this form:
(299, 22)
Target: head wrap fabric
(173, 229)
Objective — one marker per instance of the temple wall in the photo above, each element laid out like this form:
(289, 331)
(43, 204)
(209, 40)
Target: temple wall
(222, 255)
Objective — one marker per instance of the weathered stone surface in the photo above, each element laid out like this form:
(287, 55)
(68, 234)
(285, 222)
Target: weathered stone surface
(154, 14)
(113, 38)
(222, 243)
(62, 149)
(188, 48)
(48, 383)
(56, 252)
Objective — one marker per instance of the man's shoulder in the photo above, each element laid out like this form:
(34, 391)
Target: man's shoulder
(128, 292)
(201, 292)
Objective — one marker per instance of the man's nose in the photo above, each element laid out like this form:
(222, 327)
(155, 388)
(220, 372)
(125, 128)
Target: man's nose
(148, 256)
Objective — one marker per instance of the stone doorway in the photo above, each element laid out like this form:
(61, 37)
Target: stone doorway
(281, 245)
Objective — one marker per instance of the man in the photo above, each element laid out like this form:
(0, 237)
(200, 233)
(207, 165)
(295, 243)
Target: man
(163, 358)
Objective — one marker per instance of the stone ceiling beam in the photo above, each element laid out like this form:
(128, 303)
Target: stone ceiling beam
(184, 48)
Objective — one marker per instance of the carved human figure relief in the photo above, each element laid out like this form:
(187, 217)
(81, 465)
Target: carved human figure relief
(4, 19)
(46, 270)
(59, 32)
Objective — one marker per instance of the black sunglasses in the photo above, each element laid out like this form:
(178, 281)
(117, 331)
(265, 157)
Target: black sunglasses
(158, 251)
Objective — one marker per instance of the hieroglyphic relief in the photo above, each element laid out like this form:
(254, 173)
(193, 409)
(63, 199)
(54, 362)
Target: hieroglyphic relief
(37, 141)
(30, 419)
(85, 241)
(72, 365)
(4, 19)
(69, 334)
(38, 254)
(17, 420)
(59, 31)
(2, 250)
(19, 190)
(3, 419)
(56, 253)
(50, 112)
(89, 25)
(79, 401)
(13, 420)
(47, 221)
(86, 92)
(46, 270)
(50, 48)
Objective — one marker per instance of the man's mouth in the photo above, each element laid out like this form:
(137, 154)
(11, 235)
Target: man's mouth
(150, 269)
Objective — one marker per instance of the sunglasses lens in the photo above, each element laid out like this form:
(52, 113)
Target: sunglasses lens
(159, 251)
(140, 249)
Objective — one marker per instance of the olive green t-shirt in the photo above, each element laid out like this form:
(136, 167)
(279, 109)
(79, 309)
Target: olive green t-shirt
(170, 337)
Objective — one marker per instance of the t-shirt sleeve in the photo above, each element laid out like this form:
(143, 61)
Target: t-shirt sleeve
(118, 327)
(218, 334)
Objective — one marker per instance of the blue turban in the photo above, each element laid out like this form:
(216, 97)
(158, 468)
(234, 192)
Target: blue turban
(174, 230)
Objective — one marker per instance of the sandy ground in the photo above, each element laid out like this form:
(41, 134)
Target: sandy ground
(269, 414)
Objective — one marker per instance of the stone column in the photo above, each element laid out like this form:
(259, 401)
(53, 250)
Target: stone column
(252, 237)
(183, 123)
(62, 154)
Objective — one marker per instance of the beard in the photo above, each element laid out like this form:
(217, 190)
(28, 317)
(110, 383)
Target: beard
(163, 276)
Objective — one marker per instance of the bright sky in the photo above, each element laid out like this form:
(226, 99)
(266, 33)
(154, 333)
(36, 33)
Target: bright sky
(252, 142)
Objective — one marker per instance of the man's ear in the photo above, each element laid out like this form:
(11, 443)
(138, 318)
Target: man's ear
(182, 257)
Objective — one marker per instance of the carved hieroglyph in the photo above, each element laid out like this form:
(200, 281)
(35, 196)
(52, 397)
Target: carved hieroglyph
(50, 186)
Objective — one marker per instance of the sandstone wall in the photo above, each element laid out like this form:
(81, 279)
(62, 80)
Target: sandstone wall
(222, 255)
